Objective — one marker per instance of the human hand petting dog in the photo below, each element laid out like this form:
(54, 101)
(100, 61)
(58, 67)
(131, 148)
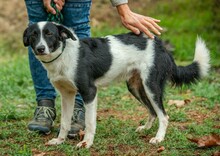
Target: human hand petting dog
(135, 22)
(138, 23)
(49, 8)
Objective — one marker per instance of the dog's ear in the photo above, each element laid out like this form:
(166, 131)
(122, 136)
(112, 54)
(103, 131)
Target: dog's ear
(65, 33)
(26, 38)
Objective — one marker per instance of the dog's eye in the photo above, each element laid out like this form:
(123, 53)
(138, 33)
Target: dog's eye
(34, 34)
(47, 33)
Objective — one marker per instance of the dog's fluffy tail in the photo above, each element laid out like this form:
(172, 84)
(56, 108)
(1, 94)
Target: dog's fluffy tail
(196, 70)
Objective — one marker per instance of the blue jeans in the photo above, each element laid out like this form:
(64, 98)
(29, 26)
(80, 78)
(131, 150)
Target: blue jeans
(76, 16)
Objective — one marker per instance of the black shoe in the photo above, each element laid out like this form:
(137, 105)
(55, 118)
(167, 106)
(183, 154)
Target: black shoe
(44, 116)
(78, 121)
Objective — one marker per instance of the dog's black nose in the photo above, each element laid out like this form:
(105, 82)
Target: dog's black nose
(41, 49)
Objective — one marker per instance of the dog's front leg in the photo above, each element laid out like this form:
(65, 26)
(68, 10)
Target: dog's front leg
(90, 121)
(67, 107)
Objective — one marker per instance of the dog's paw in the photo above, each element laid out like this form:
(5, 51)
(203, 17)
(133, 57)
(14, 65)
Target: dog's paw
(84, 144)
(155, 140)
(55, 141)
(140, 128)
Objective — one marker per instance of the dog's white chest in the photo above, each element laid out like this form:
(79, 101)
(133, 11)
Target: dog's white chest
(60, 73)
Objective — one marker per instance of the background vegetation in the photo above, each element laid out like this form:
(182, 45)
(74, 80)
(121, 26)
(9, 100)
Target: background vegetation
(118, 113)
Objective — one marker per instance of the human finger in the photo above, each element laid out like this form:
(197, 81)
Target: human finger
(146, 31)
(152, 27)
(150, 20)
(133, 29)
(59, 7)
(154, 19)
(145, 25)
(48, 6)
(138, 25)
(59, 4)
(153, 22)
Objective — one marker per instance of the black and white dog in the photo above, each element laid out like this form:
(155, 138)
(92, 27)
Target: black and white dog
(75, 65)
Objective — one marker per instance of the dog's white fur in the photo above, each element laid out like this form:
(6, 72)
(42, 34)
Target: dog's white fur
(201, 55)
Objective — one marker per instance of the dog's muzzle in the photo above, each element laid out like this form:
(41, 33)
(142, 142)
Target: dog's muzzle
(40, 50)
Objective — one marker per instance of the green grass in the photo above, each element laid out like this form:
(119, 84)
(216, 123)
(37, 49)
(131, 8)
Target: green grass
(118, 116)
(119, 113)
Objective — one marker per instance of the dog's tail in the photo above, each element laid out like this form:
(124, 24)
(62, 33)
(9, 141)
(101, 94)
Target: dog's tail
(196, 70)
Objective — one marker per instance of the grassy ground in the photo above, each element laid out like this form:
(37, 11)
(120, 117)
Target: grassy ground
(118, 117)
(119, 113)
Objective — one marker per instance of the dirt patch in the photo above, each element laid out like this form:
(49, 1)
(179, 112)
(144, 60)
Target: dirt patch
(126, 149)
(123, 115)
(36, 152)
(199, 116)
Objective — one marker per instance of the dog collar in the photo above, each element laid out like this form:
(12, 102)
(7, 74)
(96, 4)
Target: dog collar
(64, 45)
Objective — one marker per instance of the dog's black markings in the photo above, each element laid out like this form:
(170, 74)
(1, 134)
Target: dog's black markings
(132, 39)
(31, 36)
(94, 61)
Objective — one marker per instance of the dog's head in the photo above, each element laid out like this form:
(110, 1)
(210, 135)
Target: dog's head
(46, 37)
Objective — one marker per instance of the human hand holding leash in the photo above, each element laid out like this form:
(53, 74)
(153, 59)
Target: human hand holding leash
(49, 8)
(138, 23)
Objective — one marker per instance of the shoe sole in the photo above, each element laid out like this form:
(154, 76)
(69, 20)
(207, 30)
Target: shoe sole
(40, 132)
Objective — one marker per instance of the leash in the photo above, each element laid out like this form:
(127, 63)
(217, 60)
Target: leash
(58, 17)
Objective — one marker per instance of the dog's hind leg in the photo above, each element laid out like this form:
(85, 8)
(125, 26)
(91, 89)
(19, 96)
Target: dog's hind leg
(148, 124)
(67, 107)
(154, 94)
(136, 88)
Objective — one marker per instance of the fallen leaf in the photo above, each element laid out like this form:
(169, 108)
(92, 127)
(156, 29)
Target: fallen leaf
(160, 149)
(206, 141)
(179, 103)
(216, 126)
(37, 152)
(41, 154)
(216, 153)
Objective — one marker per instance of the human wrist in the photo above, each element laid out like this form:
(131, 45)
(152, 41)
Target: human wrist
(123, 9)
